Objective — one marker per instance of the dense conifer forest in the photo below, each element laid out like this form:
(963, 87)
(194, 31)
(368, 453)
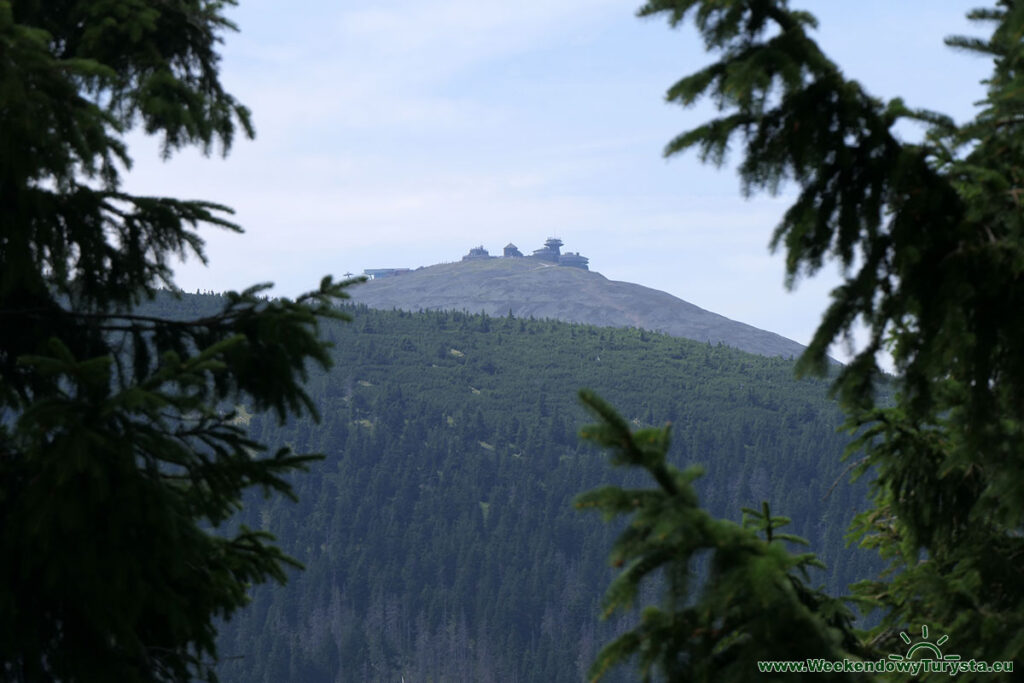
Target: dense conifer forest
(438, 534)
(140, 452)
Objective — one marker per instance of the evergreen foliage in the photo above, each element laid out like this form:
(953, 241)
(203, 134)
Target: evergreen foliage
(754, 589)
(119, 448)
(929, 236)
(439, 536)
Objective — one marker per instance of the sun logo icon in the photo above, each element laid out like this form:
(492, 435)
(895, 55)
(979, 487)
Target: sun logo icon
(926, 648)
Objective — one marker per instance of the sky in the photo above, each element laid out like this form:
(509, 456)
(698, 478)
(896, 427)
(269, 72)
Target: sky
(401, 133)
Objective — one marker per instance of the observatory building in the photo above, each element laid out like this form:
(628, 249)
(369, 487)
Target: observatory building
(551, 252)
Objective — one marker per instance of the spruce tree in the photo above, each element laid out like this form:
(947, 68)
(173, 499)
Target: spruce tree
(930, 237)
(121, 455)
(734, 595)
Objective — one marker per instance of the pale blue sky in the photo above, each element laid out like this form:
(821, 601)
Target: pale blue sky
(402, 133)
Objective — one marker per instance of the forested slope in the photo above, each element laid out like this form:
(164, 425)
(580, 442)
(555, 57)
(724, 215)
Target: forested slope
(439, 536)
(531, 287)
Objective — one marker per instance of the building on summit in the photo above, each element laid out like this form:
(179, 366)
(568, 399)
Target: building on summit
(477, 253)
(378, 273)
(574, 260)
(551, 252)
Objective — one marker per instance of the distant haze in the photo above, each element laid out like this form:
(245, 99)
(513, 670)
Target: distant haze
(403, 132)
(531, 287)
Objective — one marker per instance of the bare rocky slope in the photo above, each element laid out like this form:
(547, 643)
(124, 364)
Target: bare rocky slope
(529, 287)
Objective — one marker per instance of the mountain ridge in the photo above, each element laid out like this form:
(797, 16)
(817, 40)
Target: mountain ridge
(530, 287)
(439, 534)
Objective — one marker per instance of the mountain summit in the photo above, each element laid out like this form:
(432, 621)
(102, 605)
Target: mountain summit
(553, 285)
